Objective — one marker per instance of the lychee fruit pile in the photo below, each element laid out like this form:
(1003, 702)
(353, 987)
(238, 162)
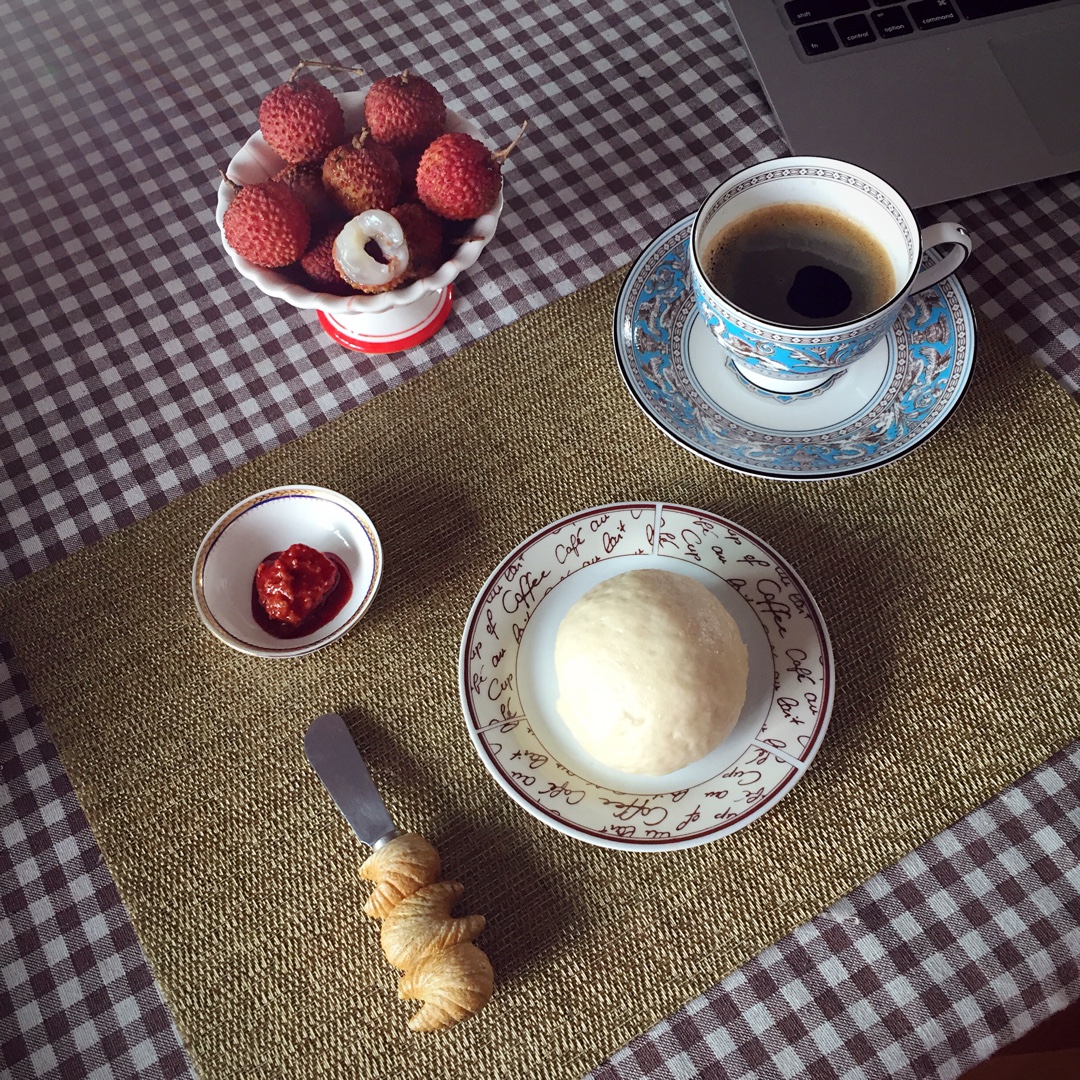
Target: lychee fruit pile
(390, 202)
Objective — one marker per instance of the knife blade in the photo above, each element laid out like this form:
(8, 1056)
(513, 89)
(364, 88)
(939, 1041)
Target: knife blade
(337, 762)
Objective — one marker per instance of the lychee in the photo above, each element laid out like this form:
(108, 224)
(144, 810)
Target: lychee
(362, 175)
(408, 160)
(424, 237)
(370, 252)
(404, 112)
(267, 224)
(305, 181)
(317, 262)
(301, 120)
(459, 177)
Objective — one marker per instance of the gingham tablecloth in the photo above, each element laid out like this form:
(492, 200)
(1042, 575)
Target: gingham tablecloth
(139, 365)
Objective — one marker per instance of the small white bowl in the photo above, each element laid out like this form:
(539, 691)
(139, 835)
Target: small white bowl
(255, 162)
(271, 521)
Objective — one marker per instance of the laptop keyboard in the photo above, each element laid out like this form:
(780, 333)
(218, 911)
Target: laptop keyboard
(828, 26)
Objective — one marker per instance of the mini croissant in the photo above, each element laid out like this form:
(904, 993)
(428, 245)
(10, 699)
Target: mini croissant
(434, 950)
(453, 983)
(422, 923)
(399, 868)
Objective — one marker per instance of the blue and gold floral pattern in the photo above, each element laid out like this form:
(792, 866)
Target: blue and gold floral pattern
(789, 353)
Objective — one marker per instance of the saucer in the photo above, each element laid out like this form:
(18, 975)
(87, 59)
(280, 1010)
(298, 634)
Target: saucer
(509, 685)
(863, 416)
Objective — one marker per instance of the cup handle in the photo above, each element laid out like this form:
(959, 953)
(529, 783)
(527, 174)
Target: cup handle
(944, 232)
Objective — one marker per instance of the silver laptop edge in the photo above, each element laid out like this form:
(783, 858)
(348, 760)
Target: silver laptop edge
(939, 114)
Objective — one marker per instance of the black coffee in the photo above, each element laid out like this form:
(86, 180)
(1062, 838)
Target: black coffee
(800, 265)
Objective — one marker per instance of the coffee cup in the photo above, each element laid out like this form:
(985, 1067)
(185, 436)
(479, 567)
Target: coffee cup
(800, 266)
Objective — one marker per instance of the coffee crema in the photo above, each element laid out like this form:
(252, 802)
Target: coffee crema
(799, 265)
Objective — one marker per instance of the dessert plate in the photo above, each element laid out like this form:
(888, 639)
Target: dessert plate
(509, 687)
(866, 415)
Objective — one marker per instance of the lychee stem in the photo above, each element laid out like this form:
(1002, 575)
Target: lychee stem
(322, 64)
(228, 180)
(501, 155)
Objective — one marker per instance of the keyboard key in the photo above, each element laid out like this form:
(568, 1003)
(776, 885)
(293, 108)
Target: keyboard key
(979, 9)
(930, 14)
(854, 30)
(808, 11)
(891, 22)
(817, 40)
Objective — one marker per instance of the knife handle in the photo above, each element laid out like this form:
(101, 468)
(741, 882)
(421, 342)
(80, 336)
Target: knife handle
(440, 964)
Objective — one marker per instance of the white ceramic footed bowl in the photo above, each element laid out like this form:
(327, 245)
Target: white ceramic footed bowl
(255, 162)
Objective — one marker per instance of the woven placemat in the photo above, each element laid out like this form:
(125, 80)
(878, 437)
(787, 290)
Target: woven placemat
(948, 581)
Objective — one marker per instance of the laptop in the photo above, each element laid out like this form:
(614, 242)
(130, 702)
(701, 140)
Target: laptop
(941, 98)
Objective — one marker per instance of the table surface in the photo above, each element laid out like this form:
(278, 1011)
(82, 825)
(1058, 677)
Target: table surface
(139, 365)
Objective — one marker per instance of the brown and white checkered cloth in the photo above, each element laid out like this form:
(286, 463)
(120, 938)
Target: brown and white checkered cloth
(928, 968)
(138, 365)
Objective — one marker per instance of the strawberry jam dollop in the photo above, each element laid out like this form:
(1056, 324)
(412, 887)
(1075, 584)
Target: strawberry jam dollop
(299, 590)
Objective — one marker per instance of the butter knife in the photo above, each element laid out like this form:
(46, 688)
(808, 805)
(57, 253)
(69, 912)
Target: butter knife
(337, 762)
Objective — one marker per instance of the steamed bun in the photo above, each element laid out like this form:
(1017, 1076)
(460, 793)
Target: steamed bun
(652, 671)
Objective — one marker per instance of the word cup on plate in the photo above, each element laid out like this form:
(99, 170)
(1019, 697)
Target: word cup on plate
(801, 264)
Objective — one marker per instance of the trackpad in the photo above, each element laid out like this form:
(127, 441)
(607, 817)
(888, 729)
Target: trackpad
(1044, 71)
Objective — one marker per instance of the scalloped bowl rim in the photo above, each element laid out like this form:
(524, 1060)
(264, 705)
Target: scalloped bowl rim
(255, 161)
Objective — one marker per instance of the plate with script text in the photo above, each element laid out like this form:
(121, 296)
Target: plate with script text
(509, 686)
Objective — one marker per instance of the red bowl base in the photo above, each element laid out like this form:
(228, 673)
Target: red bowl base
(392, 330)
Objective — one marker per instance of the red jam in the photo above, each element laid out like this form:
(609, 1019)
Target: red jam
(298, 591)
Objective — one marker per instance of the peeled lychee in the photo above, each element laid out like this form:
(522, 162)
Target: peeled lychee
(370, 252)
(404, 112)
(362, 175)
(267, 224)
(424, 237)
(458, 177)
(301, 120)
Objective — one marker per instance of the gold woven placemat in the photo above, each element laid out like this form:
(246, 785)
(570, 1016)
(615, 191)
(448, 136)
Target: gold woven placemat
(948, 581)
